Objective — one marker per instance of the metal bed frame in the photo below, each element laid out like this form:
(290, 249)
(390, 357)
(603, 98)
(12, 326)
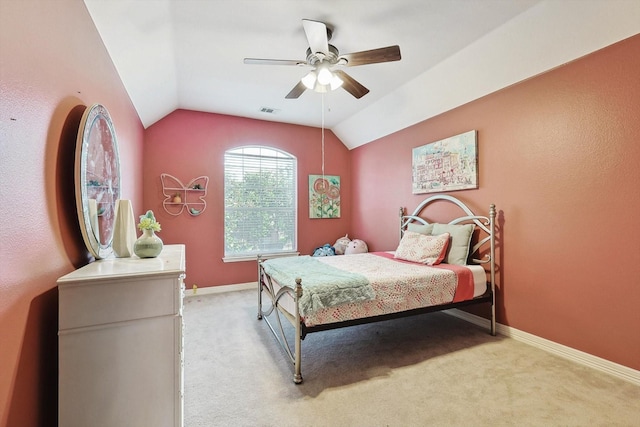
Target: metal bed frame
(486, 225)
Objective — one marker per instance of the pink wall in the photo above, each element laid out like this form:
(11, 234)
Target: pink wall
(52, 65)
(189, 144)
(558, 155)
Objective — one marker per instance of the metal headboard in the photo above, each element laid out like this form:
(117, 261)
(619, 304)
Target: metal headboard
(484, 223)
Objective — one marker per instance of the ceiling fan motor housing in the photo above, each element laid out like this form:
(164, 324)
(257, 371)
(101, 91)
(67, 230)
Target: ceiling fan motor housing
(331, 56)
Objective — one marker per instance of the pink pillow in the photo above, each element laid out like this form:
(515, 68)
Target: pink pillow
(422, 248)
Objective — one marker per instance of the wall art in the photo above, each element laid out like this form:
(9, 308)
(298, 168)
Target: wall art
(179, 197)
(324, 196)
(447, 165)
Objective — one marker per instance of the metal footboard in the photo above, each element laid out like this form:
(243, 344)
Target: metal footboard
(266, 286)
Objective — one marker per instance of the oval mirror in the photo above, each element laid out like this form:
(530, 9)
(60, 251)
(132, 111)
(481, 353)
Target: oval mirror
(97, 179)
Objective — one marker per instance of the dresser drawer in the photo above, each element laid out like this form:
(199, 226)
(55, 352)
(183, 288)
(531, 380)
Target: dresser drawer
(99, 302)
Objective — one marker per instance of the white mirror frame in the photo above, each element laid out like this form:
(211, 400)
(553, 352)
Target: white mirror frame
(97, 180)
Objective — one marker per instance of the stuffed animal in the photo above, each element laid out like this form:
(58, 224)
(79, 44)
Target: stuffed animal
(356, 246)
(326, 250)
(341, 244)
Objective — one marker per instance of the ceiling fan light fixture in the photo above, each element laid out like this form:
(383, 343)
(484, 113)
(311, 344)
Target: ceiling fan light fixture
(324, 75)
(309, 81)
(336, 82)
(321, 80)
(322, 88)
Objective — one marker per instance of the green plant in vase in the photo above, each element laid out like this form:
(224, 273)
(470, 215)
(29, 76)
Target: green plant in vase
(148, 245)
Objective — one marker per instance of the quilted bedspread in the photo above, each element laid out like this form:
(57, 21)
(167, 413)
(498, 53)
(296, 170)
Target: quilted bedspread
(398, 286)
(338, 288)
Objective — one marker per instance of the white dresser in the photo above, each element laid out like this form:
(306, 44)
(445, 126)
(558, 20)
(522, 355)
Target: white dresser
(120, 342)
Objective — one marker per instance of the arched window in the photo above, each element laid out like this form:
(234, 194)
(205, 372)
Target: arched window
(260, 203)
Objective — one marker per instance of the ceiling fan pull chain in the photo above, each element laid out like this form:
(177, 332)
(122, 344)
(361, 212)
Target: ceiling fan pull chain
(323, 137)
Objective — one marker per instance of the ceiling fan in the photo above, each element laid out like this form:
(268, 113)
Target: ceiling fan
(324, 58)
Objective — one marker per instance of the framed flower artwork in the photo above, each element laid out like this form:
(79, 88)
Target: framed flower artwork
(324, 196)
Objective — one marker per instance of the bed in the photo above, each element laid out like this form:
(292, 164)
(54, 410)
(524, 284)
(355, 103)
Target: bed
(436, 266)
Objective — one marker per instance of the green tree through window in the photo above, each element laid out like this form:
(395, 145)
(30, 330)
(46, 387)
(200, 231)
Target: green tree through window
(260, 207)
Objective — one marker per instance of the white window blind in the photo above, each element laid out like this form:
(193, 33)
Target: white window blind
(260, 206)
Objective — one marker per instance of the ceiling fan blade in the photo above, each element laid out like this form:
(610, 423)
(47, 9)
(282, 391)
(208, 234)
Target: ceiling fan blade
(258, 61)
(351, 85)
(316, 36)
(373, 56)
(296, 91)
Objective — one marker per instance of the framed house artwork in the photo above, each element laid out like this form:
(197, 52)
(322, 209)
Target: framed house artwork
(324, 196)
(447, 165)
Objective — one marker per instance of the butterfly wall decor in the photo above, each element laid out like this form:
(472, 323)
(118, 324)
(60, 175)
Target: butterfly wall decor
(179, 197)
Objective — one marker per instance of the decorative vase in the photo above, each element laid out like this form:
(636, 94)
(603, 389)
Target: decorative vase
(124, 229)
(148, 245)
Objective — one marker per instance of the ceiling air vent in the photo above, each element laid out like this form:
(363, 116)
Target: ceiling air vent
(268, 110)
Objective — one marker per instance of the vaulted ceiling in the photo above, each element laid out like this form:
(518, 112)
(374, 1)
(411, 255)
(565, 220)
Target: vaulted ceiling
(188, 54)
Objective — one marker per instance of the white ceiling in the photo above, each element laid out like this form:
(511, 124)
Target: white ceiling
(189, 54)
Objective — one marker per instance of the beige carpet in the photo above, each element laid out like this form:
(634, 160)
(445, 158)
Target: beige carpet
(428, 370)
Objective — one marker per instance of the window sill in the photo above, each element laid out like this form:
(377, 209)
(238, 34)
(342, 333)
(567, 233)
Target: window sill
(244, 258)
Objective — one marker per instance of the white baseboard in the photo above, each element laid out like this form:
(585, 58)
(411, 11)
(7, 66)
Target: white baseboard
(219, 289)
(603, 365)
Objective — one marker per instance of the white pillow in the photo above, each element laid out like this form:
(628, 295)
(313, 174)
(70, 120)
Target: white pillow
(422, 248)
